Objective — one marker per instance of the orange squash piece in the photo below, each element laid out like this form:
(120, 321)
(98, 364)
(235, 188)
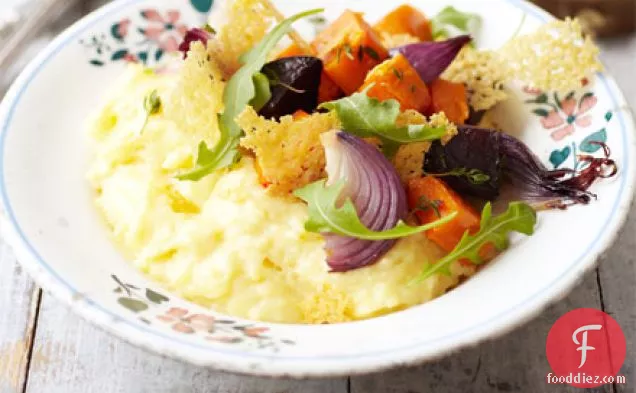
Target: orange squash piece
(397, 79)
(300, 114)
(426, 191)
(349, 49)
(292, 50)
(328, 90)
(406, 20)
(450, 98)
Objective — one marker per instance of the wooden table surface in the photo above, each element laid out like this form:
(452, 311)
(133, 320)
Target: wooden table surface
(45, 348)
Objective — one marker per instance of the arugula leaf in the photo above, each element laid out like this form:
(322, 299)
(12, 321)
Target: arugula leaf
(239, 92)
(152, 106)
(152, 103)
(366, 117)
(326, 217)
(519, 217)
(263, 91)
(450, 18)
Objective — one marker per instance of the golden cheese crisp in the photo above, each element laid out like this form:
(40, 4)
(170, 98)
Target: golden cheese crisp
(289, 154)
(197, 97)
(555, 57)
(248, 22)
(484, 75)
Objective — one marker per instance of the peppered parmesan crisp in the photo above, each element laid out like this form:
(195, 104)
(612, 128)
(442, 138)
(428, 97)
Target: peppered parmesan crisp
(556, 57)
(249, 20)
(288, 153)
(484, 75)
(197, 97)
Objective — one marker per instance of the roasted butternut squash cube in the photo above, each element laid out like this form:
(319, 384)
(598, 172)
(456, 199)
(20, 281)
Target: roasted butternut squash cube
(406, 20)
(397, 79)
(349, 49)
(292, 50)
(450, 98)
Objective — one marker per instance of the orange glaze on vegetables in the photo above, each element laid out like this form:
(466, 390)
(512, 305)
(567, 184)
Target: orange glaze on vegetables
(450, 98)
(430, 196)
(349, 49)
(406, 19)
(397, 79)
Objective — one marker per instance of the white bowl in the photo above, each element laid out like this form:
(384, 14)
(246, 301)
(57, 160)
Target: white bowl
(57, 235)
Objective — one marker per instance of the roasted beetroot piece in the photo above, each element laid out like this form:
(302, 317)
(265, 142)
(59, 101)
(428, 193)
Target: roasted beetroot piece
(294, 85)
(477, 161)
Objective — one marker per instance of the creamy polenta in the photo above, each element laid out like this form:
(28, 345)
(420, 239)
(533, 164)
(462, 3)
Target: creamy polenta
(223, 241)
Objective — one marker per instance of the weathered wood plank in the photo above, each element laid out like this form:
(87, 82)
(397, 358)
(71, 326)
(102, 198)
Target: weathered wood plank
(72, 356)
(618, 282)
(18, 309)
(617, 271)
(514, 363)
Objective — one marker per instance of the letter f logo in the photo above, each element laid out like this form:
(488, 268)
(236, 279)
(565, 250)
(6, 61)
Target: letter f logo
(583, 344)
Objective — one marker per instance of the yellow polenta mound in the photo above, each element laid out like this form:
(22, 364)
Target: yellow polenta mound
(224, 242)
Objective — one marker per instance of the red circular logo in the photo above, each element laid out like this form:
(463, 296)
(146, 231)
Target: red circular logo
(586, 348)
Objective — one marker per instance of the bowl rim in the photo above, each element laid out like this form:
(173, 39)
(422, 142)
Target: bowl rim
(242, 361)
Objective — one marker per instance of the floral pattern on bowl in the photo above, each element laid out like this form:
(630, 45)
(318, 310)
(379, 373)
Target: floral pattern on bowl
(144, 38)
(152, 306)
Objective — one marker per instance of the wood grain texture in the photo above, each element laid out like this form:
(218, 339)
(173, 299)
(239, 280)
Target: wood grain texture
(617, 271)
(71, 356)
(18, 310)
(514, 363)
(618, 280)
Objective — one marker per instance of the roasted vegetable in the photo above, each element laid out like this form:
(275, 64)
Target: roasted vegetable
(498, 156)
(450, 98)
(349, 49)
(361, 207)
(328, 90)
(396, 78)
(431, 59)
(294, 85)
(292, 50)
(430, 199)
(406, 19)
(300, 114)
(469, 149)
(493, 233)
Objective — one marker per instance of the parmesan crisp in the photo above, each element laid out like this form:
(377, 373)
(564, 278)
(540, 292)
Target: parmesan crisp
(556, 57)
(197, 97)
(289, 154)
(248, 22)
(483, 73)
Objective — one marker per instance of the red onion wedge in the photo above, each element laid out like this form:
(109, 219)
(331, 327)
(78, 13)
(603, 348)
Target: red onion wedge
(431, 59)
(376, 192)
(360, 209)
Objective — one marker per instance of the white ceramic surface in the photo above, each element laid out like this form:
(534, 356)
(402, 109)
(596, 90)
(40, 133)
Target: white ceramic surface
(57, 235)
